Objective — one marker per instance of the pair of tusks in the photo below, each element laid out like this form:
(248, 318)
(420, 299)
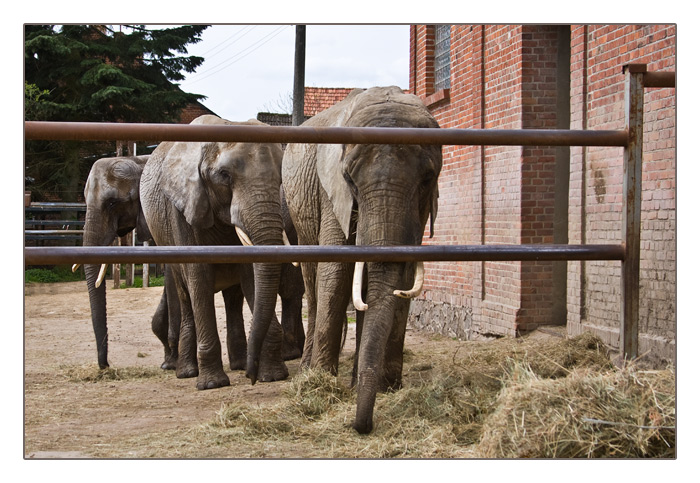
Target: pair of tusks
(100, 276)
(246, 241)
(406, 294)
(241, 234)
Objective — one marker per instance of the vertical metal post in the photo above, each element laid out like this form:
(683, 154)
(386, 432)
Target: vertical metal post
(116, 268)
(632, 212)
(145, 270)
(131, 268)
(299, 71)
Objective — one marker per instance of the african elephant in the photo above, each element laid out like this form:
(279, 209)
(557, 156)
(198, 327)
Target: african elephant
(212, 193)
(113, 210)
(380, 195)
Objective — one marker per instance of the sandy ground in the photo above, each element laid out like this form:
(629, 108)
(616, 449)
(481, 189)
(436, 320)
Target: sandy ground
(69, 418)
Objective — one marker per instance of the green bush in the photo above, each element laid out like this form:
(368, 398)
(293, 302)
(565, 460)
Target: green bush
(152, 282)
(58, 273)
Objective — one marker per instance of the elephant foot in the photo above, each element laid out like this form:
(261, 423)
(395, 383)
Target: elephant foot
(290, 351)
(186, 370)
(237, 364)
(212, 379)
(168, 365)
(271, 370)
(169, 362)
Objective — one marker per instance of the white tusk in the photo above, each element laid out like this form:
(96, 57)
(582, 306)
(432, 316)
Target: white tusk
(417, 284)
(75, 267)
(101, 275)
(244, 238)
(286, 242)
(357, 287)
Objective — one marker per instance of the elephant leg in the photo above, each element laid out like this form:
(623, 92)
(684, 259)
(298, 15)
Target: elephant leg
(272, 366)
(333, 289)
(309, 273)
(187, 361)
(393, 359)
(235, 330)
(292, 328)
(159, 325)
(291, 292)
(174, 319)
(200, 286)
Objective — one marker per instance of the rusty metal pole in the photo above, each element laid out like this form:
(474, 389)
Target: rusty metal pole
(632, 211)
(299, 71)
(96, 131)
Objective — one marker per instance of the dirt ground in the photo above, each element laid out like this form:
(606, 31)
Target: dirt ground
(69, 417)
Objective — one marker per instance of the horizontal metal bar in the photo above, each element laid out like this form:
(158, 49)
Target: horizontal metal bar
(30, 223)
(41, 206)
(85, 131)
(53, 232)
(53, 237)
(315, 253)
(659, 79)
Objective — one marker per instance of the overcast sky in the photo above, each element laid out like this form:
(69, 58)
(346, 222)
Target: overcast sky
(250, 68)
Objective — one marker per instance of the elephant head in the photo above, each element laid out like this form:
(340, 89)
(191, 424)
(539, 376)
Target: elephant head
(221, 184)
(113, 210)
(381, 195)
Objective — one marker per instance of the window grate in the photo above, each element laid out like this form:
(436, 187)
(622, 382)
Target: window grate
(442, 56)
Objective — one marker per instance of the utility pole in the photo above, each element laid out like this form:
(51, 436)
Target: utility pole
(299, 68)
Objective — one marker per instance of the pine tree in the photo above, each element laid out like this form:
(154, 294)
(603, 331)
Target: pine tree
(100, 73)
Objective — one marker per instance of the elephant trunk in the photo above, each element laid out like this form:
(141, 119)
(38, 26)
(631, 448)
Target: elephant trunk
(94, 235)
(379, 321)
(265, 229)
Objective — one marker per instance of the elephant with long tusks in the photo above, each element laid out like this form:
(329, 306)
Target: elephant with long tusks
(371, 194)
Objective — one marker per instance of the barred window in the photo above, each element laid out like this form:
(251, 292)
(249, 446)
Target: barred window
(442, 57)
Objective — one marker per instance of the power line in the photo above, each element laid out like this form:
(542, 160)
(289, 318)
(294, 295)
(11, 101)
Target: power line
(232, 39)
(238, 56)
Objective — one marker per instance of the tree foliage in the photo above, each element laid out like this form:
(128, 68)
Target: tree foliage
(100, 73)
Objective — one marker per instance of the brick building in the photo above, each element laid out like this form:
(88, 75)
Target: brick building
(193, 111)
(316, 99)
(546, 77)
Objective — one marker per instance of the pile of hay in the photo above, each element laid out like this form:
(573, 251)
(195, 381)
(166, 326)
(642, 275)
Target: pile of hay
(502, 399)
(587, 414)
(91, 373)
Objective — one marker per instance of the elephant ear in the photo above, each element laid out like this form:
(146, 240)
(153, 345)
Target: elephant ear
(329, 163)
(183, 185)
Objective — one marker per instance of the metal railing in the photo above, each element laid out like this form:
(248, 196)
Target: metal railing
(628, 252)
(39, 230)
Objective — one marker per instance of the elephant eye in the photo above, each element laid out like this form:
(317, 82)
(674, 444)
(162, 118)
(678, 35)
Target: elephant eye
(224, 175)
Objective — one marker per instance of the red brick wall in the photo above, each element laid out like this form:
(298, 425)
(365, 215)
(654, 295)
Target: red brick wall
(503, 77)
(192, 112)
(598, 54)
(539, 98)
(317, 99)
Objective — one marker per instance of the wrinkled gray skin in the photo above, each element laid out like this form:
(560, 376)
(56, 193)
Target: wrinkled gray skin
(291, 291)
(113, 210)
(194, 193)
(366, 195)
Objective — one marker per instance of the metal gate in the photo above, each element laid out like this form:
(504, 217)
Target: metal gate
(627, 251)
